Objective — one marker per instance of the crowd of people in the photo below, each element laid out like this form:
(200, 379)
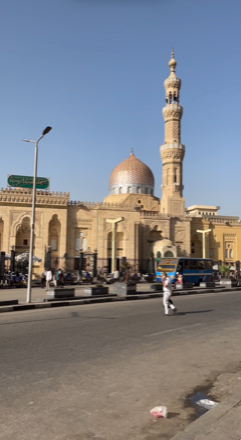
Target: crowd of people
(13, 278)
(47, 277)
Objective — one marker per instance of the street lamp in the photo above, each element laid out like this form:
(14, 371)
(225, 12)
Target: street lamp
(30, 267)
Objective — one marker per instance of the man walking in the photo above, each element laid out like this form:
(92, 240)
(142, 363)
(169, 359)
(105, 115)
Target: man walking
(116, 275)
(167, 292)
(48, 278)
(43, 278)
(60, 278)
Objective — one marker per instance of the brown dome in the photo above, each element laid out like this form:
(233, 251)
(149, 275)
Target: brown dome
(131, 171)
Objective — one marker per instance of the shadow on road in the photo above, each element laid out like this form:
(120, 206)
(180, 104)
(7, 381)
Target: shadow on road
(197, 311)
(73, 315)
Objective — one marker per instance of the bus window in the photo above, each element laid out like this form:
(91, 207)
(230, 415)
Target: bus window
(201, 265)
(190, 264)
(208, 265)
(180, 266)
(193, 265)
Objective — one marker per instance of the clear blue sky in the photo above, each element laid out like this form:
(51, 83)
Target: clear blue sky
(94, 71)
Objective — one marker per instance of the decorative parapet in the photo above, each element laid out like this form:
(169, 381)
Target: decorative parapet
(95, 205)
(24, 196)
(224, 220)
(151, 214)
(217, 219)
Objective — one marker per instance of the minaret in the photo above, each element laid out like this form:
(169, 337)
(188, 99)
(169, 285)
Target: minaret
(172, 151)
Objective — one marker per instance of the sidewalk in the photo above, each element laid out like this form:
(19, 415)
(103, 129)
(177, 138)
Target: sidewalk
(39, 295)
(223, 422)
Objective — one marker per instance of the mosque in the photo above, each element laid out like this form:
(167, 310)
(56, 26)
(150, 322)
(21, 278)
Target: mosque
(131, 222)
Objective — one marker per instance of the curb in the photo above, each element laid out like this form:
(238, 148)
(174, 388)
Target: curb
(110, 298)
(207, 423)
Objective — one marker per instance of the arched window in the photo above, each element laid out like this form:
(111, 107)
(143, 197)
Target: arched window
(53, 244)
(120, 190)
(54, 233)
(231, 253)
(175, 175)
(77, 244)
(139, 190)
(84, 243)
(129, 189)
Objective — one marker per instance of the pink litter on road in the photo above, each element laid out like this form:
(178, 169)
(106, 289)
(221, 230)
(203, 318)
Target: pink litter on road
(159, 411)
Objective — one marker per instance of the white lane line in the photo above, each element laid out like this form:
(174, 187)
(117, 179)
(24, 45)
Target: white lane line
(171, 330)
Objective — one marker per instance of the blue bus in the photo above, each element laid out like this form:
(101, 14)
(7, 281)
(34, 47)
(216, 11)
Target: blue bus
(193, 270)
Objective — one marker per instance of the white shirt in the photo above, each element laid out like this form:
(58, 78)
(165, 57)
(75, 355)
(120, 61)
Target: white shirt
(167, 285)
(48, 275)
(116, 274)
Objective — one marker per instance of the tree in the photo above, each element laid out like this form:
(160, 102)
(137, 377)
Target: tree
(224, 270)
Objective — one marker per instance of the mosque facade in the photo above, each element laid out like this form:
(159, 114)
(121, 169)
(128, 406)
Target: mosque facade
(131, 222)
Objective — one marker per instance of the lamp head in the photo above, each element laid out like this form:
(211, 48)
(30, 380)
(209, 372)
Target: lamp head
(46, 130)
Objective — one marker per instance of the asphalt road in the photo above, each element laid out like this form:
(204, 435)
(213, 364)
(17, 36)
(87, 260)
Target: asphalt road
(95, 371)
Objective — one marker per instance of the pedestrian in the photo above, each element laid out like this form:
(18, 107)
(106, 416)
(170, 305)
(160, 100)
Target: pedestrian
(60, 278)
(43, 278)
(54, 280)
(48, 278)
(167, 292)
(116, 274)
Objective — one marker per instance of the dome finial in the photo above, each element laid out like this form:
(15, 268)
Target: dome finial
(132, 152)
(172, 63)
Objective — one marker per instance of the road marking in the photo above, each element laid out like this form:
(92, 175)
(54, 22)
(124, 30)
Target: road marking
(172, 330)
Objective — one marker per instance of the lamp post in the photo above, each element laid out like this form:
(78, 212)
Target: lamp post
(204, 240)
(12, 259)
(95, 264)
(80, 263)
(30, 267)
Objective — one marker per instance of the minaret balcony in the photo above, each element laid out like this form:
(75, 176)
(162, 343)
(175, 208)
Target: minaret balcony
(173, 146)
(172, 82)
(172, 111)
(178, 187)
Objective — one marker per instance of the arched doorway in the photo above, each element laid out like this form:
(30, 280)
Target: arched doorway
(168, 254)
(22, 241)
(54, 240)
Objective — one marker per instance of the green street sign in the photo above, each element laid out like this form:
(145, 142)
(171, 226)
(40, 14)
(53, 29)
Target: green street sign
(27, 182)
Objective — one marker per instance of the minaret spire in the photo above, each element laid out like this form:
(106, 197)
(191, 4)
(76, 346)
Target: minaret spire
(172, 151)
(172, 64)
